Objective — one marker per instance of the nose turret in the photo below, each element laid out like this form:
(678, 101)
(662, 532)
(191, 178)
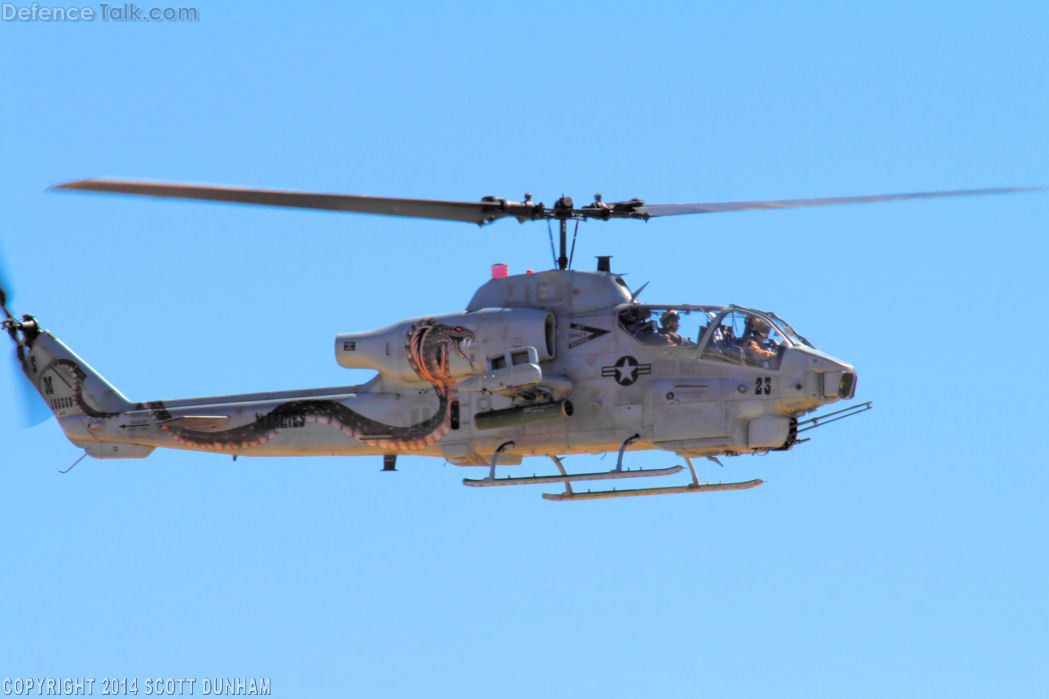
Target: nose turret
(815, 379)
(843, 383)
(833, 378)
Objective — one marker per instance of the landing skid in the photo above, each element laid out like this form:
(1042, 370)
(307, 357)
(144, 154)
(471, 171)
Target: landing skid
(565, 478)
(690, 488)
(618, 472)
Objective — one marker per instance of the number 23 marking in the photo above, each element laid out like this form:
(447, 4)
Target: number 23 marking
(763, 385)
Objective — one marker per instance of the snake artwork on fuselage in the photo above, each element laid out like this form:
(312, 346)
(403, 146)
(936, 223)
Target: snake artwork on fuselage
(428, 345)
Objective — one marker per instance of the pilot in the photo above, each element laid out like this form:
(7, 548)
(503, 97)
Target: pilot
(756, 344)
(669, 323)
(638, 322)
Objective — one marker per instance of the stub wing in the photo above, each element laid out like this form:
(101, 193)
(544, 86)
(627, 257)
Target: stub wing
(203, 423)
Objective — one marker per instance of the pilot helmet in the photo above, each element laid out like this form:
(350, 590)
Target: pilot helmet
(758, 327)
(668, 318)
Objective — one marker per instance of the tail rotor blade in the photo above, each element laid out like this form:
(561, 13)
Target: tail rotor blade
(5, 288)
(31, 405)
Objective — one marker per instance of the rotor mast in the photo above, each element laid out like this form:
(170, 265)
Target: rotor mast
(562, 259)
(563, 211)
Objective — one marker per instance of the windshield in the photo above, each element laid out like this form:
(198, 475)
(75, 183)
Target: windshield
(797, 338)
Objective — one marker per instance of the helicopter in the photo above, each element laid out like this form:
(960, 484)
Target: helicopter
(545, 364)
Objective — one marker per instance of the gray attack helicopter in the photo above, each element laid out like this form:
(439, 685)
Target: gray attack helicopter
(557, 362)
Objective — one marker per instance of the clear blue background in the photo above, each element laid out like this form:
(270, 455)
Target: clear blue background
(901, 553)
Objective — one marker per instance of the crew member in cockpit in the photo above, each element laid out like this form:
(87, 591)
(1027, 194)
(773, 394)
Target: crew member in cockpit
(632, 318)
(757, 348)
(669, 323)
(637, 321)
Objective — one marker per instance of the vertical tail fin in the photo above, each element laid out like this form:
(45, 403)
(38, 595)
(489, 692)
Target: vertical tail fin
(77, 394)
(68, 384)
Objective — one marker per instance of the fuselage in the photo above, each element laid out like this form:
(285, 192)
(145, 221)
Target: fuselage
(557, 362)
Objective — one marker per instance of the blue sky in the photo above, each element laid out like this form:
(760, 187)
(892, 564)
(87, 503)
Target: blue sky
(900, 553)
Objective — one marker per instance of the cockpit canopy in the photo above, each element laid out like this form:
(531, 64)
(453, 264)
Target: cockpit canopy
(721, 333)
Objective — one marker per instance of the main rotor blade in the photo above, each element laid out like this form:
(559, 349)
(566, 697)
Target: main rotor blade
(471, 212)
(485, 211)
(716, 207)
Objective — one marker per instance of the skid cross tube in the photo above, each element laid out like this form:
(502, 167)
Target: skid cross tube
(629, 440)
(495, 457)
(561, 467)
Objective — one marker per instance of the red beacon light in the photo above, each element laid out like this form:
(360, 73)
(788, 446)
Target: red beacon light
(528, 271)
(499, 270)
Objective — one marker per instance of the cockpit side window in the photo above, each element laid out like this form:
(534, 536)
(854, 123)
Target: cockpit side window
(745, 338)
(657, 325)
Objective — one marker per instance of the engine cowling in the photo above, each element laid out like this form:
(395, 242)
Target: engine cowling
(465, 340)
